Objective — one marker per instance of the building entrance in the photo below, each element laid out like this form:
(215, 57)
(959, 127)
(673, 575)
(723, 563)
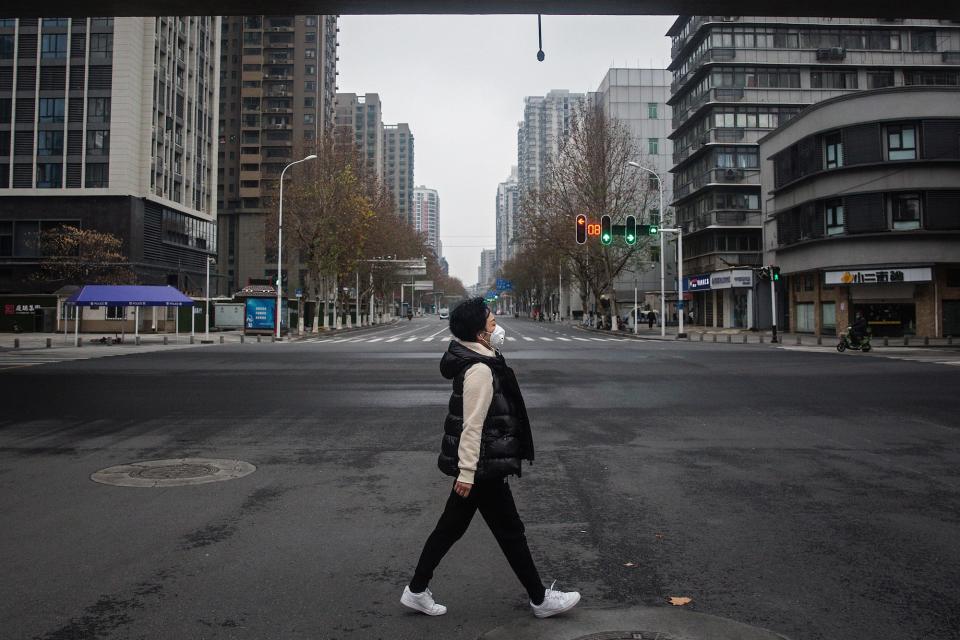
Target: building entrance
(889, 319)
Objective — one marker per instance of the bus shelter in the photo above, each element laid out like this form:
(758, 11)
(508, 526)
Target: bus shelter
(136, 296)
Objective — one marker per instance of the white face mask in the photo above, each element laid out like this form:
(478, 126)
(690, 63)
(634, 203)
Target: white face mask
(497, 338)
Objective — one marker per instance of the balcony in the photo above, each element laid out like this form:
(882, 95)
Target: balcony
(724, 135)
(718, 176)
(710, 262)
(752, 95)
(724, 219)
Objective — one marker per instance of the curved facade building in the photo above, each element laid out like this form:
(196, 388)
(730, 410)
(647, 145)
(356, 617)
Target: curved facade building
(862, 212)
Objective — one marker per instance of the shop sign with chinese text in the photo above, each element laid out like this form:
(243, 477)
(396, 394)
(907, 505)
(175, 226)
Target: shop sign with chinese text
(880, 275)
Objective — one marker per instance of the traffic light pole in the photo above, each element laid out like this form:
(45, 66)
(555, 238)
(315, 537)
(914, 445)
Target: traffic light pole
(679, 232)
(773, 308)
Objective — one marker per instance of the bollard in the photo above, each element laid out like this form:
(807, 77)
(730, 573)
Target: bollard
(273, 338)
(49, 343)
(906, 341)
(221, 339)
(798, 339)
(191, 339)
(761, 338)
(886, 342)
(258, 338)
(16, 343)
(949, 341)
(714, 337)
(138, 340)
(165, 340)
(926, 341)
(701, 337)
(744, 338)
(819, 340)
(242, 338)
(729, 338)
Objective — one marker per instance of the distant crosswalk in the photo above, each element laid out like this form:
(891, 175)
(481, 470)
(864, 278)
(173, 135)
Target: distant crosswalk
(21, 358)
(442, 338)
(933, 356)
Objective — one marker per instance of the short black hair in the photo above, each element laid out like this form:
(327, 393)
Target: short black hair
(469, 318)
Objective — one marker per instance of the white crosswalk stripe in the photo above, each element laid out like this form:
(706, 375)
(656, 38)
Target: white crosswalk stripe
(392, 339)
(582, 339)
(511, 339)
(528, 339)
(564, 339)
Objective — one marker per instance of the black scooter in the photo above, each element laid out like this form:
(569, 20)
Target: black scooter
(846, 342)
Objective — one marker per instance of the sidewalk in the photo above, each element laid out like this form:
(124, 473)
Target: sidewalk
(12, 341)
(741, 336)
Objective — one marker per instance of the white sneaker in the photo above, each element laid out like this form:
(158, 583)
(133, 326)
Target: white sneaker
(423, 602)
(555, 602)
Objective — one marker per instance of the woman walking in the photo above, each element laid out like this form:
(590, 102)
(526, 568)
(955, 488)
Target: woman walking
(486, 436)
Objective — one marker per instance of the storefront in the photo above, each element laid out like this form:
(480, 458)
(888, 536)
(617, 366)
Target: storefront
(696, 295)
(886, 296)
(733, 291)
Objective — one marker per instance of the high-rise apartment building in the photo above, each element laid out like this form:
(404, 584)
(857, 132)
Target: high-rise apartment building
(547, 120)
(277, 88)
(507, 208)
(426, 216)
(398, 168)
(359, 120)
(487, 271)
(735, 78)
(108, 124)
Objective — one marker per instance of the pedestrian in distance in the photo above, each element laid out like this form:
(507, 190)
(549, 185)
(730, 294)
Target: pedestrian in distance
(651, 318)
(486, 406)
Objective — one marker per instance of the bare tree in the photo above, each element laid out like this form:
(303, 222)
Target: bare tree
(83, 256)
(590, 176)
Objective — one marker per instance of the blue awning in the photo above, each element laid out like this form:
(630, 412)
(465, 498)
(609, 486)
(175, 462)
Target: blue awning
(102, 295)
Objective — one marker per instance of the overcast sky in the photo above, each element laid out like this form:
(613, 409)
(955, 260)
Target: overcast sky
(459, 81)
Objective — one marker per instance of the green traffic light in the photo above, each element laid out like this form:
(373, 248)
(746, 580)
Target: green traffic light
(631, 238)
(606, 237)
(654, 229)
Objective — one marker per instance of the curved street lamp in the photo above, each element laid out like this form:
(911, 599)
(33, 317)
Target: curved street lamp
(312, 156)
(663, 304)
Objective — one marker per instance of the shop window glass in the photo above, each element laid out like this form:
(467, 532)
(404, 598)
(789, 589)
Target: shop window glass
(834, 216)
(828, 315)
(833, 147)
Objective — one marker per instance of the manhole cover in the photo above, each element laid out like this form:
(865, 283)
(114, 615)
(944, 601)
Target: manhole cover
(173, 473)
(626, 635)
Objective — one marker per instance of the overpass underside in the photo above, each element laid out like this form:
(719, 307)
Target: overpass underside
(823, 8)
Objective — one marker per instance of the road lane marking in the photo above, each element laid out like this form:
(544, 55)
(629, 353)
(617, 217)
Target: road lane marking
(511, 339)
(599, 339)
(582, 339)
(546, 338)
(373, 340)
(411, 339)
(528, 339)
(392, 339)
(564, 339)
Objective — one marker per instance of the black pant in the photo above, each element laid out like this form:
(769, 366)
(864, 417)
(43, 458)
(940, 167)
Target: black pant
(496, 505)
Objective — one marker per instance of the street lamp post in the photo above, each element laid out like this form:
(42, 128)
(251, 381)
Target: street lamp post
(312, 156)
(206, 332)
(663, 303)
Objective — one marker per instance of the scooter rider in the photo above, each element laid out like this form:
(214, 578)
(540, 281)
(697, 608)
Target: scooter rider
(858, 329)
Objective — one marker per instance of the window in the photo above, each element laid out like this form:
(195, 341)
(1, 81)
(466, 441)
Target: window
(49, 23)
(901, 142)
(101, 43)
(97, 175)
(308, 118)
(913, 77)
(653, 145)
(310, 21)
(311, 36)
(833, 79)
(115, 313)
(310, 53)
(310, 70)
(49, 175)
(51, 109)
(923, 40)
(98, 110)
(828, 315)
(98, 143)
(310, 86)
(309, 102)
(6, 47)
(879, 79)
(54, 45)
(834, 216)
(652, 110)
(905, 210)
(50, 143)
(6, 238)
(833, 147)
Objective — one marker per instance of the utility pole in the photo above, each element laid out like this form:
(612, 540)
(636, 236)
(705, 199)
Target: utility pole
(773, 307)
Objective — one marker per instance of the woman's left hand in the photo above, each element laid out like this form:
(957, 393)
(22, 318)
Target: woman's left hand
(462, 489)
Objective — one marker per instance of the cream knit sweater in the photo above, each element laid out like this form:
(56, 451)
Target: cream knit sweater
(477, 395)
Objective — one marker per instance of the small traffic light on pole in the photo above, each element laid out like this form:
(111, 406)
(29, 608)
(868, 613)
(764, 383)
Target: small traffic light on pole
(581, 229)
(653, 229)
(630, 230)
(775, 273)
(606, 230)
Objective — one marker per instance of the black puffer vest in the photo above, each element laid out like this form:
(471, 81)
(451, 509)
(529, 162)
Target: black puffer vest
(506, 439)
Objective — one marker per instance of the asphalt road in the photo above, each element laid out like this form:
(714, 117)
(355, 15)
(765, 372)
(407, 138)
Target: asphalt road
(813, 493)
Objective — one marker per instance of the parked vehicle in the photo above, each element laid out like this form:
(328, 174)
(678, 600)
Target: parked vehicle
(444, 313)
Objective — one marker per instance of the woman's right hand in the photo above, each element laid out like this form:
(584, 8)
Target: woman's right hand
(462, 489)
